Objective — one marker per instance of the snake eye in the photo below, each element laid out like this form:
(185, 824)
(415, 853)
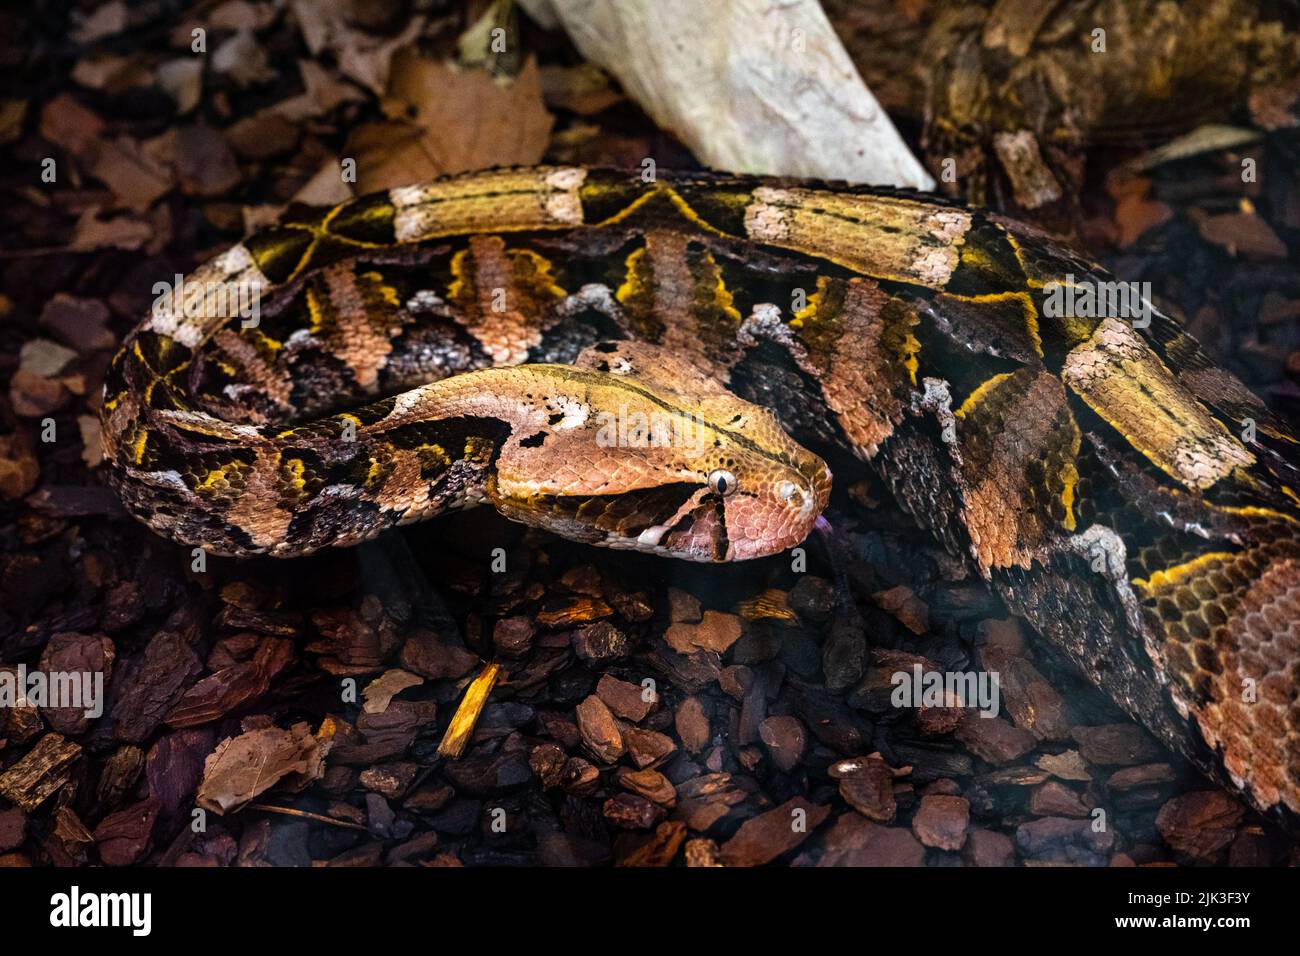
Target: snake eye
(722, 482)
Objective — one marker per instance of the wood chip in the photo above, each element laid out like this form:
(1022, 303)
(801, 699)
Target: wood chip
(40, 773)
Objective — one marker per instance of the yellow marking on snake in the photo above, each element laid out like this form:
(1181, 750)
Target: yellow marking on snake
(978, 395)
(1178, 572)
(680, 204)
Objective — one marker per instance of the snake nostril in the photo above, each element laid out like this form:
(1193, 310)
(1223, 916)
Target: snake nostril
(790, 493)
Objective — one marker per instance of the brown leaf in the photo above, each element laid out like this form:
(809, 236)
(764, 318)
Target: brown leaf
(121, 232)
(135, 177)
(362, 56)
(81, 323)
(182, 80)
(243, 767)
(107, 20)
(380, 691)
(466, 119)
(243, 59)
(205, 164)
(325, 188)
(1135, 213)
(111, 73)
(584, 89)
(66, 123)
(33, 396)
(1240, 233)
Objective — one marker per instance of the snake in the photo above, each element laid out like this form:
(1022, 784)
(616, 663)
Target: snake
(667, 363)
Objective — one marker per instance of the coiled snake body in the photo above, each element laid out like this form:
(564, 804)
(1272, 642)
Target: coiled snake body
(472, 339)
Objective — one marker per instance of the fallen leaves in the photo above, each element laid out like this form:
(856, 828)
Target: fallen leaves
(380, 691)
(1135, 212)
(66, 123)
(205, 165)
(80, 323)
(243, 767)
(39, 385)
(447, 120)
(117, 232)
(1241, 233)
(361, 56)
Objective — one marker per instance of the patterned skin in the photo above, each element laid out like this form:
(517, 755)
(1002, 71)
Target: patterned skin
(1133, 501)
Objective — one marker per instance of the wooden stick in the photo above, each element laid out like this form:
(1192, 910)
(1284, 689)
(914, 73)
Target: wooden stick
(306, 814)
(467, 713)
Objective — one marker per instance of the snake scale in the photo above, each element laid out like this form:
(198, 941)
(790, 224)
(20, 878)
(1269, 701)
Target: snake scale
(467, 339)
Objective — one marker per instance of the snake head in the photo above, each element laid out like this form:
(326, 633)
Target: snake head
(753, 499)
(634, 448)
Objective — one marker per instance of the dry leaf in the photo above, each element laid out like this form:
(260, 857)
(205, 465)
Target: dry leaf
(324, 88)
(122, 232)
(361, 56)
(243, 767)
(106, 21)
(66, 123)
(380, 691)
(111, 73)
(325, 188)
(80, 323)
(388, 154)
(1135, 213)
(584, 89)
(182, 80)
(467, 120)
(205, 164)
(1240, 233)
(44, 358)
(243, 59)
(242, 15)
(135, 177)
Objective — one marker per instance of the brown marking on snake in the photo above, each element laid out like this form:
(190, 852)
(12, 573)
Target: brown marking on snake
(502, 296)
(881, 236)
(675, 295)
(1122, 379)
(1018, 443)
(356, 316)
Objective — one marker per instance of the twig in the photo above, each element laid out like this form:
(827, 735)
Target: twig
(319, 817)
(467, 714)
